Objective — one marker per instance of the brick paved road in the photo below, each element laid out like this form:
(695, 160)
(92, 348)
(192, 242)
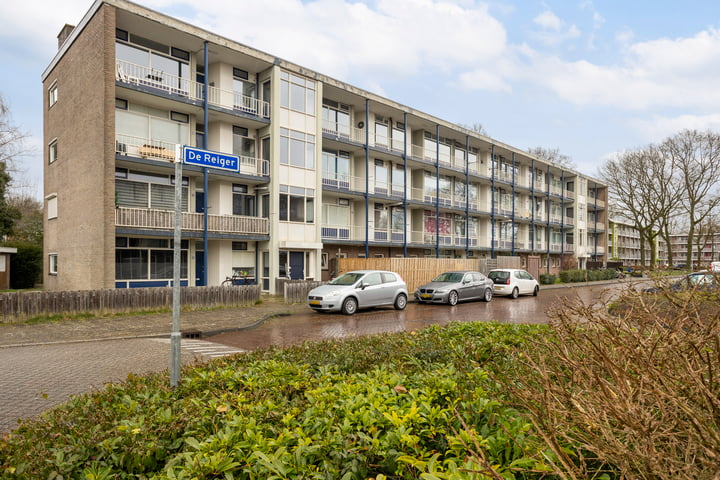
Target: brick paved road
(35, 378)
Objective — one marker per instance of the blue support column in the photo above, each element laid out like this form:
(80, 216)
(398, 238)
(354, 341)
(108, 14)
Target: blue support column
(532, 204)
(512, 216)
(467, 196)
(205, 170)
(405, 232)
(367, 178)
(492, 201)
(437, 191)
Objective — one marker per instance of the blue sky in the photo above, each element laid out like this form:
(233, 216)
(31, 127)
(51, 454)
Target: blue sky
(591, 78)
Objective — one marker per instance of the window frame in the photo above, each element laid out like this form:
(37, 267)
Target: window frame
(52, 263)
(52, 93)
(52, 151)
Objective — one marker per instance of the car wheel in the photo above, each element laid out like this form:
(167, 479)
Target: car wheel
(400, 302)
(452, 298)
(488, 295)
(535, 292)
(349, 306)
(515, 293)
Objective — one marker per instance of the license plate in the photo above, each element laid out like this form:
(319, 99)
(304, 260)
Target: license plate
(425, 295)
(314, 302)
(497, 288)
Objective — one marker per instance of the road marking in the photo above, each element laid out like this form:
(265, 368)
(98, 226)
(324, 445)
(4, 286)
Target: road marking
(204, 348)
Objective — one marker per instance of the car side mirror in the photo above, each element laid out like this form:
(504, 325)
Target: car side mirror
(363, 285)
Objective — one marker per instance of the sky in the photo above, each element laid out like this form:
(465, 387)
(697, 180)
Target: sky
(590, 78)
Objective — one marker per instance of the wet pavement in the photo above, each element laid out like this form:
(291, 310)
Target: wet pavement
(45, 364)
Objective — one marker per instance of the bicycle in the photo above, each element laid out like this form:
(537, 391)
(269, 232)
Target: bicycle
(238, 279)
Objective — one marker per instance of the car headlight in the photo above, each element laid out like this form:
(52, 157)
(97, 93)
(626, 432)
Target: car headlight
(333, 294)
(442, 290)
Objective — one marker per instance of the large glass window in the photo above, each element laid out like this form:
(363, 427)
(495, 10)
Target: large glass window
(297, 93)
(336, 118)
(381, 217)
(243, 145)
(136, 189)
(336, 214)
(381, 177)
(243, 204)
(151, 124)
(152, 68)
(297, 204)
(336, 168)
(297, 148)
(148, 258)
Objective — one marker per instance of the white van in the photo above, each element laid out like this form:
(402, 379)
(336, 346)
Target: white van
(715, 266)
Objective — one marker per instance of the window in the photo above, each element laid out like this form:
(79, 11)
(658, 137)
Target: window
(148, 258)
(147, 190)
(336, 168)
(52, 206)
(243, 204)
(52, 263)
(239, 246)
(52, 94)
(297, 148)
(121, 104)
(324, 260)
(297, 93)
(336, 118)
(53, 151)
(148, 123)
(244, 91)
(243, 145)
(297, 204)
(381, 217)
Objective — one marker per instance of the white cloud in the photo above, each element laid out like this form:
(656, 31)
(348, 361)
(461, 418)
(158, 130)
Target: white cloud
(553, 30)
(657, 128)
(661, 73)
(549, 21)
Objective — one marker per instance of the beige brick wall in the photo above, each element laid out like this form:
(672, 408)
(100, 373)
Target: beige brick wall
(83, 122)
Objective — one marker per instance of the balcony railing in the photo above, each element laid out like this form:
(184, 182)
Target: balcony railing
(164, 220)
(158, 150)
(140, 75)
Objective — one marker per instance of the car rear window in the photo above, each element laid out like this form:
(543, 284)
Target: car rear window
(499, 276)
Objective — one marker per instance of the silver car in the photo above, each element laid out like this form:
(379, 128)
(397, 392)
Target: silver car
(452, 287)
(359, 289)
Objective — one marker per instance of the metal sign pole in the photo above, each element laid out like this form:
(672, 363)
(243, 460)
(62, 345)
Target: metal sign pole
(175, 335)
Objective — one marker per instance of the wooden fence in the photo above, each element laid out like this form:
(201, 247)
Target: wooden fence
(417, 271)
(20, 306)
(297, 290)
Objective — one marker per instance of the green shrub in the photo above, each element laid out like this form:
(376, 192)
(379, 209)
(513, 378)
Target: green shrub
(394, 405)
(547, 278)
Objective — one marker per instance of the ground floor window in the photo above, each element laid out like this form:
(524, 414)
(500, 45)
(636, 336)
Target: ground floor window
(148, 259)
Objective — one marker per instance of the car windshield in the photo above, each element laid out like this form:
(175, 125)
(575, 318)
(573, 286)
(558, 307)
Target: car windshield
(347, 278)
(452, 277)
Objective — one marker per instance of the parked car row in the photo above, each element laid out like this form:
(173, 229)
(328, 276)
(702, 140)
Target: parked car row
(374, 288)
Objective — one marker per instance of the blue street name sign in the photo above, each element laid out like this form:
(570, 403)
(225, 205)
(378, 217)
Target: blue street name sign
(205, 158)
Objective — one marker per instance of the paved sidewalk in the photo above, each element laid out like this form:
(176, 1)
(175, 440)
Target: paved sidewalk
(204, 323)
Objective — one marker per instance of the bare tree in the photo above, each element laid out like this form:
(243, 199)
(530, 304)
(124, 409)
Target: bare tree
(631, 179)
(11, 145)
(553, 156)
(476, 127)
(696, 158)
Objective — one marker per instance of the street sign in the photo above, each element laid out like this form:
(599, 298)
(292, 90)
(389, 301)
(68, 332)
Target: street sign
(206, 158)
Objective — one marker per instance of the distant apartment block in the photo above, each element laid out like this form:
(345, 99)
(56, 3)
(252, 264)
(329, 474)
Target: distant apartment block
(326, 169)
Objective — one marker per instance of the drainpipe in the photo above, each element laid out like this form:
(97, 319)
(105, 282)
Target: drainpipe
(205, 169)
(367, 178)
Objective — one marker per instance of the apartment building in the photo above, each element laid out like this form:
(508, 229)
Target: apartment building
(325, 169)
(624, 244)
(705, 247)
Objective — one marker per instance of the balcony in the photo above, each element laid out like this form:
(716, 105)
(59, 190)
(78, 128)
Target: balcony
(193, 222)
(139, 75)
(157, 150)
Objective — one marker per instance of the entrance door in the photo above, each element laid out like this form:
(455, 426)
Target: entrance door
(297, 265)
(199, 268)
